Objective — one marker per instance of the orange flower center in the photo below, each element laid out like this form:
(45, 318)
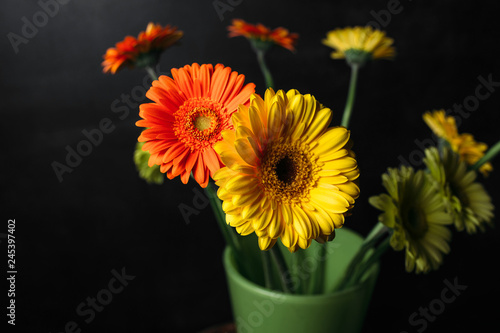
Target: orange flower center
(199, 122)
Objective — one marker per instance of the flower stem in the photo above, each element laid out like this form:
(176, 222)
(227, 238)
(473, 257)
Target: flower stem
(300, 285)
(378, 231)
(152, 73)
(266, 264)
(372, 259)
(488, 156)
(220, 216)
(318, 280)
(263, 67)
(284, 273)
(350, 96)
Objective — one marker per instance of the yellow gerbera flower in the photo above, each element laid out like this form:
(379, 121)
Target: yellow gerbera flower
(287, 174)
(415, 210)
(468, 200)
(359, 44)
(464, 144)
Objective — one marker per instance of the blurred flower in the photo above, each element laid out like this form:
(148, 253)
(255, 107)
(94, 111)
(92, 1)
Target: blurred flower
(468, 200)
(261, 36)
(287, 174)
(150, 173)
(187, 117)
(416, 213)
(157, 37)
(359, 44)
(468, 149)
(142, 51)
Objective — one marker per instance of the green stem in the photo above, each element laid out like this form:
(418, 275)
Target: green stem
(372, 259)
(488, 156)
(318, 279)
(350, 96)
(152, 73)
(220, 216)
(378, 231)
(263, 67)
(230, 236)
(300, 286)
(284, 273)
(266, 263)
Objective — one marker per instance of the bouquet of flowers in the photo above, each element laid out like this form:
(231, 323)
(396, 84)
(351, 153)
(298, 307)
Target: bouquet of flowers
(278, 174)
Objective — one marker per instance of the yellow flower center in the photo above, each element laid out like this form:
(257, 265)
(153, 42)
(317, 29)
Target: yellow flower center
(202, 123)
(199, 122)
(287, 172)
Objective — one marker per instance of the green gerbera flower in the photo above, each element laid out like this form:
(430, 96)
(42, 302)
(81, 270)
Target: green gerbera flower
(469, 202)
(150, 174)
(415, 211)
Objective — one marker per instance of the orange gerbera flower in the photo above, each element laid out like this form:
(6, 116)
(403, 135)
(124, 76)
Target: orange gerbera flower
(157, 37)
(189, 112)
(122, 55)
(464, 144)
(142, 51)
(279, 36)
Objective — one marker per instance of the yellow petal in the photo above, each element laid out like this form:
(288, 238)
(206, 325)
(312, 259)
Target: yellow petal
(234, 220)
(329, 200)
(319, 124)
(332, 156)
(310, 107)
(245, 151)
(343, 164)
(275, 120)
(350, 189)
(301, 223)
(289, 237)
(303, 243)
(245, 229)
(252, 211)
(263, 220)
(231, 159)
(229, 208)
(334, 139)
(265, 243)
(256, 122)
(241, 184)
(276, 226)
(325, 222)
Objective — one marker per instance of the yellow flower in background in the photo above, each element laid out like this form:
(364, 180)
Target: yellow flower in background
(468, 200)
(359, 44)
(415, 211)
(464, 144)
(287, 174)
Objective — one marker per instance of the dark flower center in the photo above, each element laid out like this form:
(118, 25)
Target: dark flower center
(285, 170)
(416, 223)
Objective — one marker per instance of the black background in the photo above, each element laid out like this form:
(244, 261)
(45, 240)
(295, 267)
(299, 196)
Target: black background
(70, 235)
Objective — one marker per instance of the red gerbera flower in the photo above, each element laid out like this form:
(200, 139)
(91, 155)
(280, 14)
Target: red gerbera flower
(189, 112)
(141, 51)
(279, 36)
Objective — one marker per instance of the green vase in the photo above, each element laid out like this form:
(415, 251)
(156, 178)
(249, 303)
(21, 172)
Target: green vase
(260, 310)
